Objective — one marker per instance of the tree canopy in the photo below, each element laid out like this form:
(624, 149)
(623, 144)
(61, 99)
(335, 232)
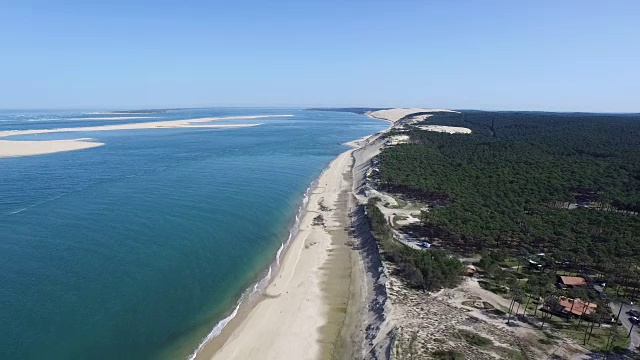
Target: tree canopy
(565, 183)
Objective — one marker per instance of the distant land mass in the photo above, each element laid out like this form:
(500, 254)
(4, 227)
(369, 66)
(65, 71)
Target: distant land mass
(356, 110)
(146, 111)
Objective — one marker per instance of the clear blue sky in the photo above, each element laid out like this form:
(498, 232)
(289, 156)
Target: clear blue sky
(538, 55)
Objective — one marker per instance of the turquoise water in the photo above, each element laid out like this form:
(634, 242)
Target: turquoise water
(136, 249)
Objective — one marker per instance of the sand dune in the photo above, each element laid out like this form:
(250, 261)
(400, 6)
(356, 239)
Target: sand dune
(396, 114)
(447, 129)
(26, 148)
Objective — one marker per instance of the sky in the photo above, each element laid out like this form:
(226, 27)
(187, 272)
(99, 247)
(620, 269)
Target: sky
(571, 55)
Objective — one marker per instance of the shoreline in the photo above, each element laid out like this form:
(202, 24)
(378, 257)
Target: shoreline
(236, 330)
(253, 293)
(236, 338)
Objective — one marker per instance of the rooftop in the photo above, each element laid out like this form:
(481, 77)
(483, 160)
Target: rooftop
(573, 280)
(577, 306)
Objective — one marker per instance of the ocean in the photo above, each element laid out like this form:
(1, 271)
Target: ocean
(139, 248)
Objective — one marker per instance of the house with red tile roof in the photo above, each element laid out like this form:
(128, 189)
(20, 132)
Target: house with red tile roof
(571, 281)
(577, 307)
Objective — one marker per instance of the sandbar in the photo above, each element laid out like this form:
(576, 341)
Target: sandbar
(168, 124)
(114, 118)
(10, 148)
(133, 112)
(16, 148)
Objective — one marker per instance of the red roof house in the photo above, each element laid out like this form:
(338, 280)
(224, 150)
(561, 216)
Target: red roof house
(573, 281)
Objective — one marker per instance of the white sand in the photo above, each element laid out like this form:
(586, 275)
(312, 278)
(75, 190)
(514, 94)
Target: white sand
(188, 123)
(27, 148)
(286, 324)
(446, 129)
(396, 114)
(123, 113)
(397, 139)
(114, 118)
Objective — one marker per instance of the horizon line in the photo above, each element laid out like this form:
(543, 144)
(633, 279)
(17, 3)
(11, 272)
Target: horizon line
(315, 107)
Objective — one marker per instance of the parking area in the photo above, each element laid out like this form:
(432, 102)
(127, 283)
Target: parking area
(626, 322)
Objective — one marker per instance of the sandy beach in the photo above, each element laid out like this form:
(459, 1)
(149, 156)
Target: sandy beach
(322, 302)
(311, 309)
(27, 148)
(326, 301)
(288, 322)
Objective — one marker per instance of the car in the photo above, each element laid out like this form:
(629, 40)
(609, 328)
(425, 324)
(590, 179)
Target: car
(612, 320)
(634, 320)
(634, 313)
